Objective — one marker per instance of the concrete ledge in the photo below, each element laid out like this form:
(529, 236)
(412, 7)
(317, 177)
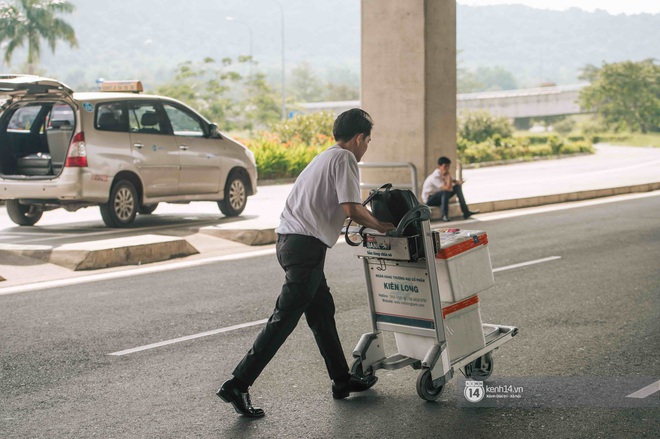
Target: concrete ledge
(244, 236)
(499, 205)
(107, 253)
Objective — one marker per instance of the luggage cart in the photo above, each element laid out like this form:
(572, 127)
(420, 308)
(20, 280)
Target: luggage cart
(417, 319)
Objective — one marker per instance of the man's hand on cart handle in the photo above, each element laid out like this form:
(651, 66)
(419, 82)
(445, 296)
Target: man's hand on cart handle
(361, 215)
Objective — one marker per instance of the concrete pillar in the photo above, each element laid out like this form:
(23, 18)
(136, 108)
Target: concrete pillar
(409, 84)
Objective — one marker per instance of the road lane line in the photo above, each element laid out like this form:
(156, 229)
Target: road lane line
(246, 325)
(525, 264)
(188, 337)
(646, 391)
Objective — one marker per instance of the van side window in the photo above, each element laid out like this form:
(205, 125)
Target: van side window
(111, 117)
(183, 122)
(144, 117)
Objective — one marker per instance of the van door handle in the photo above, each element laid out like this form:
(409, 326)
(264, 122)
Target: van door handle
(183, 147)
(138, 145)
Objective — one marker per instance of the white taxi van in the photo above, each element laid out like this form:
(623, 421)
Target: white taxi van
(118, 149)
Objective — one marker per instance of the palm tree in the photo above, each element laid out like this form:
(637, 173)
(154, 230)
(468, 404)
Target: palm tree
(33, 20)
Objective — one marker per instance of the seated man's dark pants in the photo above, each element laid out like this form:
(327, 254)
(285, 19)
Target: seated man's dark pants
(442, 199)
(305, 291)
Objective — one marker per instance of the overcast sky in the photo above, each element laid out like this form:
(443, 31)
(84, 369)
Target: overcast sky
(611, 6)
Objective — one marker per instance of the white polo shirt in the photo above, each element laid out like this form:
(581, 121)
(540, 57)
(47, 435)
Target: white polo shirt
(313, 207)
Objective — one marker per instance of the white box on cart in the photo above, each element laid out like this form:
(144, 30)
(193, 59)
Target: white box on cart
(462, 263)
(463, 331)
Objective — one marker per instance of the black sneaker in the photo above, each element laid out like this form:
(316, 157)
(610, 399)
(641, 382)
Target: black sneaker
(354, 384)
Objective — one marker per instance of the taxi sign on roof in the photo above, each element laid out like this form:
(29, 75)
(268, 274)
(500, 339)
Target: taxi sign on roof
(125, 86)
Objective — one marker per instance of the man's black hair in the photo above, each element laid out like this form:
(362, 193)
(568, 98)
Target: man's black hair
(351, 123)
(444, 161)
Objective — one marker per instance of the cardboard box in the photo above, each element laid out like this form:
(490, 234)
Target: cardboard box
(463, 331)
(462, 263)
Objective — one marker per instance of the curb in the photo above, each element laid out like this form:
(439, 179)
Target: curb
(542, 200)
(244, 236)
(107, 253)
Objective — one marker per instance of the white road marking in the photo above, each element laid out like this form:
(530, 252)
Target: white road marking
(525, 264)
(188, 337)
(646, 391)
(132, 272)
(246, 325)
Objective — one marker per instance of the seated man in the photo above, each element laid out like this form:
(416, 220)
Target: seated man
(439, 187)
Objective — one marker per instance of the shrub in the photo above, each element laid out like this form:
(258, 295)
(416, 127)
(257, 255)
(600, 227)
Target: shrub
(535, 139)
(478, 126)
(277, 159)
(304, 127)
(564, 126)
(556, 144)
(478, 153)
(577, 147)
(539, 150)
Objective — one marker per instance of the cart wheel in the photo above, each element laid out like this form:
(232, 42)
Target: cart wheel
(425, 388)
(482, 367)
(356, 369)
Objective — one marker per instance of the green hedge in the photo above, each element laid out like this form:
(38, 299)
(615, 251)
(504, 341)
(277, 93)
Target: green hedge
(523, 147)
(291, 145)
(276, 159)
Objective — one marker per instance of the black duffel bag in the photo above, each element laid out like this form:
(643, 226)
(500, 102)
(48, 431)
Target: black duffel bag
(390, 205)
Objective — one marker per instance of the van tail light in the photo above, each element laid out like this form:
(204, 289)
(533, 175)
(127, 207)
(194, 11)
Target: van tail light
(77, 157)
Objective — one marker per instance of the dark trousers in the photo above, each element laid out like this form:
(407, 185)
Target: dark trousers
(442, 199)
(305, 291)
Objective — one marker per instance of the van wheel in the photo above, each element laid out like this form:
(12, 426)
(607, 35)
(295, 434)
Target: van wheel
(235, 195)
(147, 209)
(23, 214)
(121, 208)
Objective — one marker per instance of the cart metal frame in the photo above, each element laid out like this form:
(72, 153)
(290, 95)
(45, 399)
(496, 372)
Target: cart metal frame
(436, 367)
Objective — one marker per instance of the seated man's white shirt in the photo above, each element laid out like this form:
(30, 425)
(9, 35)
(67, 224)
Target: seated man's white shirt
(432, 185)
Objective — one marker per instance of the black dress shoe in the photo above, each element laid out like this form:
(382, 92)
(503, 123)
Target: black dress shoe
(354, 384)
(240, 400)
(469, 213)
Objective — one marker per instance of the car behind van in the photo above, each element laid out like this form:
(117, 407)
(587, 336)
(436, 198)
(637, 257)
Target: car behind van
(118, 149)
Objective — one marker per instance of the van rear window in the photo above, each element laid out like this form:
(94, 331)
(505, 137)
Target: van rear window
(24, 118)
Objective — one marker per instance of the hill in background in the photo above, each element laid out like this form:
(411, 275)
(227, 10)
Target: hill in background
(146, 39)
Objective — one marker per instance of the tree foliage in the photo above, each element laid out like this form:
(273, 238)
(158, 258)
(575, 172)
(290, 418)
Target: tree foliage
(223, 95)
(32, 21)
(304, 84)
(626, 95)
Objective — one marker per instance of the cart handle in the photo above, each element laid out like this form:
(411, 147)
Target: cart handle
(416, 214)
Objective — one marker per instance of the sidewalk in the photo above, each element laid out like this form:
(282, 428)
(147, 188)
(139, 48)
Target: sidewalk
(613, 170)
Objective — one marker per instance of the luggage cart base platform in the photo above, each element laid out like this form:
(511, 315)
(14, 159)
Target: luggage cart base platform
(478, 365)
